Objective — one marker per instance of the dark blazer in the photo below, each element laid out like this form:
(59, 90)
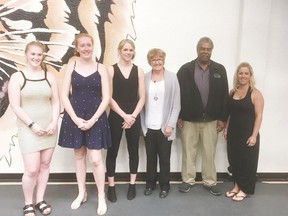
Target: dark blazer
(192, 108)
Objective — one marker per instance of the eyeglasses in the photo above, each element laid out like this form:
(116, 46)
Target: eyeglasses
(156, 60)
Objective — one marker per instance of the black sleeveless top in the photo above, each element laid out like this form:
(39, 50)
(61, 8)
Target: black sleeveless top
(125, 91)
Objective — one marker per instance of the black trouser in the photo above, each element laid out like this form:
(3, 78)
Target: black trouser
(157, 145)
(132, 136)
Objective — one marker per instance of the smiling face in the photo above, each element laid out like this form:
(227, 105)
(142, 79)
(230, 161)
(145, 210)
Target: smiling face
(243, 76)
(157, 63)
(84, 47)
(34, 55)
(204, 51)
(126, 50)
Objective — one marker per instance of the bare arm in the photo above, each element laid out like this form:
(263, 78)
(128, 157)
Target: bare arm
(66, 87)
(258, 102)
(141, 93)
(55, 103)
(14, 88)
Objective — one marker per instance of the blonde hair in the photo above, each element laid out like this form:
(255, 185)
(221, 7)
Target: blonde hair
(76, 53)
(43, 48)
(235, 79)
(123, 42)
(154, 53)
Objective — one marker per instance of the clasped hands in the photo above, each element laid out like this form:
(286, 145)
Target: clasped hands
(85, 124)
(129, 120)
(37, 129)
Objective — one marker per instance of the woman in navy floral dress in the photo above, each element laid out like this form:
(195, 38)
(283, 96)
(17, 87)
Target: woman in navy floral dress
(85, 127)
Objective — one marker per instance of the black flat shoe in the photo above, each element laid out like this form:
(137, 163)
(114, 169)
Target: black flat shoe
(163, 194)
(111, 195)
(148, 191)
(131, 194)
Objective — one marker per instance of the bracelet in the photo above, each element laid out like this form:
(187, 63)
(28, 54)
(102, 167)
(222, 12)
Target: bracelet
(31, 124)
(225, 129)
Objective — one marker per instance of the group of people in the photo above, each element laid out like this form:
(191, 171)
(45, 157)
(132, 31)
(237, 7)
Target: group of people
(196, 100)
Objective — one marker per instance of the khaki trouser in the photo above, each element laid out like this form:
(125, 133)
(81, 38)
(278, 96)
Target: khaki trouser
(197, 135)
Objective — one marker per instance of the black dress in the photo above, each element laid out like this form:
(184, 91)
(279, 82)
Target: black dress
(85, 99)
(242, 158)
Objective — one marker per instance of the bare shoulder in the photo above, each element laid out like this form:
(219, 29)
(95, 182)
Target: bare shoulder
(256, 92)
(50, 76)
(16, 77)
(111, 70)
(102, 69)
(70, 65)
(140, 72)
(257, 95)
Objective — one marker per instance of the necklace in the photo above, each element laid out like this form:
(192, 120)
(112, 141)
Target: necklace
(156, 77)
(155, 92)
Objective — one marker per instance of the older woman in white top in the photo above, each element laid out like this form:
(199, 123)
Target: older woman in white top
(158, 120)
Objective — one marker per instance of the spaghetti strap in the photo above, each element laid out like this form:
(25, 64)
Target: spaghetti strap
(45, 72)
(22, 74)
(74, 65)
(24, 79)
(97, 66)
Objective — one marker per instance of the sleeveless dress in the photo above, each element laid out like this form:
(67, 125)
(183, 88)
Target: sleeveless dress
(242, 158)
(85, 99)
(35, 100)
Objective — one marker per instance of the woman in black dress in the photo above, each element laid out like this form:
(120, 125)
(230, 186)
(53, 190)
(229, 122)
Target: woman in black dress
(245, 107)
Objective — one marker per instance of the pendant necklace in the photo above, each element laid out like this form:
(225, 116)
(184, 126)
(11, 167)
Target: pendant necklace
(155, 92)
(157, 79)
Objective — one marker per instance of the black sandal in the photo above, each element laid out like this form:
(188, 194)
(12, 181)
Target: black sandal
(26, 209)
(46, 206)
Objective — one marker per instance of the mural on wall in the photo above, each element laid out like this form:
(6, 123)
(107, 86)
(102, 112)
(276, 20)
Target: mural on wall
(54, 23)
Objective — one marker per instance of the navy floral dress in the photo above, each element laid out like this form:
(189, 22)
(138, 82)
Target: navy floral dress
(85, 99)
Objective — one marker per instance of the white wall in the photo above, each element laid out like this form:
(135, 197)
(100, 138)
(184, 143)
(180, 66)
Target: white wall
(242, 30)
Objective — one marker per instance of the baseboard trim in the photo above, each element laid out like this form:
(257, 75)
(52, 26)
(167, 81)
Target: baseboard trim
(124, 177)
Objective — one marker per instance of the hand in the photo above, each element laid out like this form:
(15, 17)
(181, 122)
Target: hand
(251, 141)
(168, 131)
(125, 125)
(81, 123)
(225, 134)
(38, 130)
(51, 129)
(180, 123)
(220, 126)
(129, 120)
